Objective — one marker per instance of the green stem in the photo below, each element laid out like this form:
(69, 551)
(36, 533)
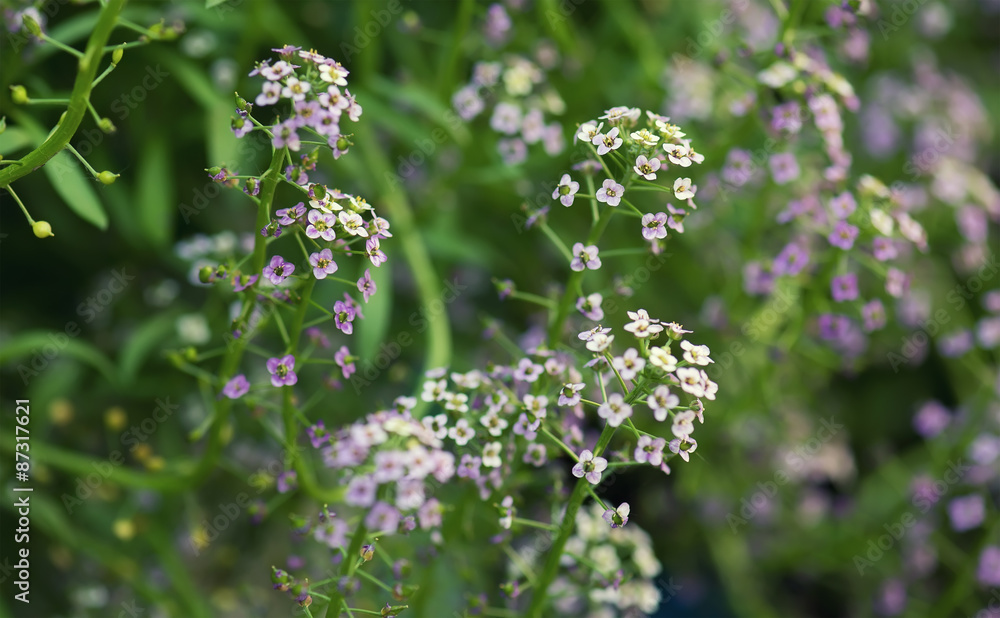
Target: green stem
(566, 528)
(64, 131)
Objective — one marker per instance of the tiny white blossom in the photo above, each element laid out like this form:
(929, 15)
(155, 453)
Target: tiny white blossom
(696, 354)
(682, 189)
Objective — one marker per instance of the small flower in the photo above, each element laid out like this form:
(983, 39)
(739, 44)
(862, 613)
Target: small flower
(588, 131)
(678, 154)
(884, 249)
(242, 282)
(649, 450)
(896, 282)
(585, 257)
(617, 517)
(461, 432)
(590, 467)
(287, 481)
(966, 512)
(536, 405)
(600, 342)
(374, 251)
(844, 287)
(366, 286)
(318, 435)
(353, 224)
(784, 167)
(843, 235)
(683, 189)
(683, 447)
(646, 167)
(661, 401)
(286, 137)
(322, 263)
(696, 354)
(278, 270)
(236, 387)
(844, 204)
(345, 361)
(654, 226)
(661, 357)
(528, 371)
(614, 410)
(683, 424)
(282, 371)
(570, 394)
(334, 73)
(590, 306)
(607, 142)
(792, 259)
(321, 225)
(646, 139)
(343, 316)
(566, 191)
(629, 365)
(690, 379)
(491, 455)
(610, 192)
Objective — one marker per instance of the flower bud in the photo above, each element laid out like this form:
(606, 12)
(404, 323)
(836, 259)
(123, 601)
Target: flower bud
(116, 56)
(19, 95)
(190, 354)
(367, 552)
(106, 125)
(241, 104)
(343, 143)
(205, 274)
(393, 610)
(30, 24)
(107, 177)
(42, 229)
(280, 579)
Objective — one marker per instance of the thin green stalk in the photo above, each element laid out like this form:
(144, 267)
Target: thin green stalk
(548, 575)
(64, 131)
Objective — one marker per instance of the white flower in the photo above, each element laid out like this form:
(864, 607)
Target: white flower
(615, 410)
(461, 433)
(434, 391)
(711, 388)
(881, 221)
(646, 167)
(457, 402)
(691, 381)
(683, 424)
(333, 74)
(599, 342)
(588, 131)
(696, 354)
(661, 357)
(629, 365)
(682, 189)
(491, 455)
(606, 142)
(536, 405)
(644, 138)
(353, 224)
(777, 75)
(494, 423)
(678, 154)
(662, 400)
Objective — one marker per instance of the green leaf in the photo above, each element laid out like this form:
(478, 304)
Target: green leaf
(76, 189)
(39, 343)
(154, 192)
(141, 342)
(12, 140)
(378, 311)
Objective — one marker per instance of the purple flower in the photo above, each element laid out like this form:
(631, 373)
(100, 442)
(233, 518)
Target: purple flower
(244, 281)
(610, 192)
(676, 219)
(787, 117)
(884, 249)
(332, 533)
(278, 270)
(344, 360)
(590, 307)
(236, 387)
(590, 467)
(566, 191)
(282, 371)
(843, 235)
(784, 167)
(321, 225)
(318, 434)
(833, 327)
(287, 481)
(289, 216)
(646, 168)
(931, 419)
(585, 257)
(361, 491)
(650, 450)
(956, 344)
(285, 135)
(792, 259)
(966, 512)
(844, 287)
(374, 252)
(617, 517)
(843, 205)
(896, 282)
(322, 263)
(988, 572)
(343, 315)
(874, 315)
(654, 226)
(317, 337)
(366, 286)
(382, 517)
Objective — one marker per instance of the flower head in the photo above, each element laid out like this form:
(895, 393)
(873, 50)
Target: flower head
(617, 517)
(590, 467)
(282, 371)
